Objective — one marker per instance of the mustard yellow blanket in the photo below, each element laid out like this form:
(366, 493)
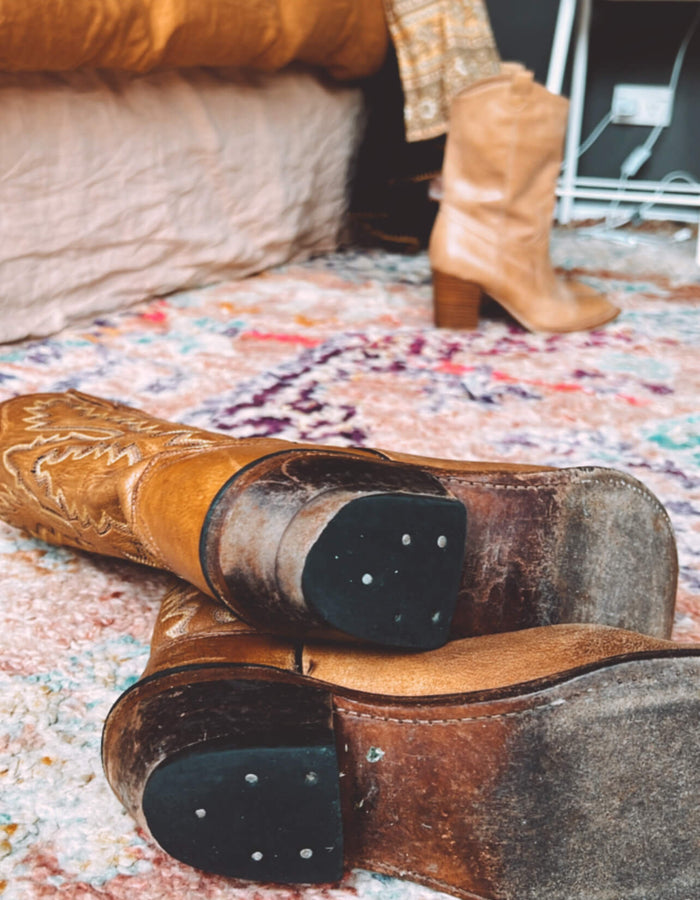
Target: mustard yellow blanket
(348, 38)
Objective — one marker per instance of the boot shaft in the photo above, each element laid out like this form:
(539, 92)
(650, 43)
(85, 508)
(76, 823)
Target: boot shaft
(491, 234)
(503, 156)
(301, 536)
(104, 477)
(192, 629)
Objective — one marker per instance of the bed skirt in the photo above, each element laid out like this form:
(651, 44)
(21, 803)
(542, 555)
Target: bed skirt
(117, 187)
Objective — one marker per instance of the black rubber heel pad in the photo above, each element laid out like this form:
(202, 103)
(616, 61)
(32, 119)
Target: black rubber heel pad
(259, 813)
(387, 569)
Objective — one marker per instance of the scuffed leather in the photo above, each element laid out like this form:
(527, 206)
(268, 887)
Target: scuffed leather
(485, 663)
(502, 160)
(349, 38)
(460, 769)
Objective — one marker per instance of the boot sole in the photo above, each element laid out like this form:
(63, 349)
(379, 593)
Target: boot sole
(262, 803)
(408, 555)
(560, 546)
(582, 787)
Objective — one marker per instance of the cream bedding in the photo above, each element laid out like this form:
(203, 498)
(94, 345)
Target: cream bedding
(118, 187)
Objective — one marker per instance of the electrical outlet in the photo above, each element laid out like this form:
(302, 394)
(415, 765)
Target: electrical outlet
(642, 104)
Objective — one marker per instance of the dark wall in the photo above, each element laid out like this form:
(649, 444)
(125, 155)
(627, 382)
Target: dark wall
(632, 42)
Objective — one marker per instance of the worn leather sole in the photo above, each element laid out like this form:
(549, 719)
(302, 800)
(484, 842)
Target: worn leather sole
(580, 786)
(380, 550)
(552, 546)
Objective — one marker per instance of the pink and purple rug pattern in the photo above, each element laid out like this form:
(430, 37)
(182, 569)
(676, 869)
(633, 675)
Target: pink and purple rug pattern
(341, 351)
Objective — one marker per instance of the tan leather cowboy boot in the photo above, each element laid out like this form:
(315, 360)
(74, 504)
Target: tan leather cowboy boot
(491, 236)
(555, 762)
(297, 538)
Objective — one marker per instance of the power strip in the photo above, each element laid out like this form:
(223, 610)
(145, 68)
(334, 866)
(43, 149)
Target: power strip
(642, 104)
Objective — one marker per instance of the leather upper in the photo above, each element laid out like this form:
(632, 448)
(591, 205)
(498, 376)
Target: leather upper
(104, 477)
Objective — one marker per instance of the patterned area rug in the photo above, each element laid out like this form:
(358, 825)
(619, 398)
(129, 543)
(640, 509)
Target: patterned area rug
(339, 350)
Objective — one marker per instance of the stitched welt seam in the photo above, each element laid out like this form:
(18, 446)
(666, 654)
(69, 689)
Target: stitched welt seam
(506, 486)
(641, 491)
(519, 712)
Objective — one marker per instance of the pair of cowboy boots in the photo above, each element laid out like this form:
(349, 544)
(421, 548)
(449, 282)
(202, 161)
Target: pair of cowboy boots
(491, 236)
(456, 673)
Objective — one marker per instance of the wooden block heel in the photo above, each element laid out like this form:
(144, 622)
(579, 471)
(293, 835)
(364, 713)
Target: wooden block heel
(456, 302)
(371, 548)
(237, 777)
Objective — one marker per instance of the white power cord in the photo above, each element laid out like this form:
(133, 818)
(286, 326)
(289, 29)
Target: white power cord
(634, 161)
(596, 133)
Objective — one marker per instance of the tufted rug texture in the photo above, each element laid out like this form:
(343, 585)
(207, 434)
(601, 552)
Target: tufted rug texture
(339, 350)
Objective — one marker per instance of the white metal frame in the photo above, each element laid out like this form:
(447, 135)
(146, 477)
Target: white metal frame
(560, 45)
(572, 186)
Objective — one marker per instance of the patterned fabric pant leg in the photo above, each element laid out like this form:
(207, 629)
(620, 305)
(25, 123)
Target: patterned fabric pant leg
(442, 47)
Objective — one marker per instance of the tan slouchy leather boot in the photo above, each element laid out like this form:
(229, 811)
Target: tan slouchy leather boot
(555, 762)
(491, 235)
(373, 544)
